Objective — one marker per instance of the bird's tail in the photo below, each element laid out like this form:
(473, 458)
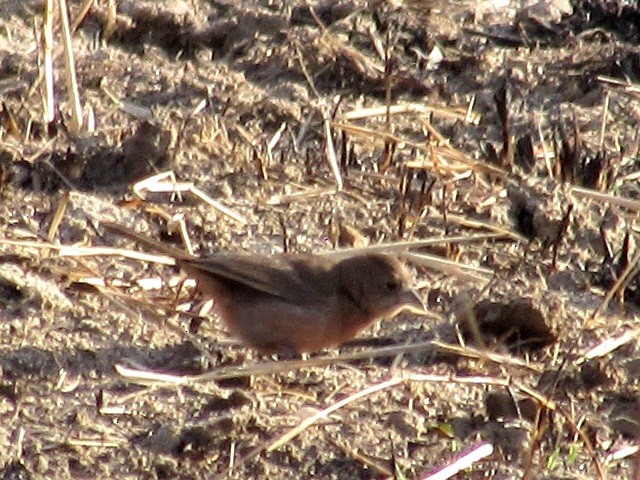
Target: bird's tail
(148, 241)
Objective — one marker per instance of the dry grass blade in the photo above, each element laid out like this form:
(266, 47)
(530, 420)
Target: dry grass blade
(270, 368)
(271, 144)
(70, 70)
(454, 160)
(308, 422)
(148, 377)
(500, 230)
(361, 63)
(444, 153)
(411, 108)
(77, 442)
(47, 48)
(375, 466)
(157, 183)
(375, 137)
(114, 252)
(82, 13)
(216, 204)
(462, 461)
(631, 271)
(45, 289)
(622, 453)
(603, 122)
(331, 154)
(131, 108)
(84, 10)
(70, 251)
(608, 346)
(482, 380)
(469, 352)
(628, 86)
(305, 194)
(449, 267)
(394, 247)
(586, 440)
(58, 215)
(610, 199)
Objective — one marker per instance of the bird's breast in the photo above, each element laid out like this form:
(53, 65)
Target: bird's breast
(276, 326)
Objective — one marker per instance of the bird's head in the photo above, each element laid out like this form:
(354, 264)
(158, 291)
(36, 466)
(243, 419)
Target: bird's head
(378, 284)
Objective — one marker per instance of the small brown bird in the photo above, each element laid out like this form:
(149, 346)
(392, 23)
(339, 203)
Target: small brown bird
(295, 303)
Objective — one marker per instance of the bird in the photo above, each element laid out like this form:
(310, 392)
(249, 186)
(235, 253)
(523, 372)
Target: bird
(288, 303)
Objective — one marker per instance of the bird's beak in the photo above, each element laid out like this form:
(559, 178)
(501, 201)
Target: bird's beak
(410, 300)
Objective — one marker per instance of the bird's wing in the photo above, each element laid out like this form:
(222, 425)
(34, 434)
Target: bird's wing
(294, 278)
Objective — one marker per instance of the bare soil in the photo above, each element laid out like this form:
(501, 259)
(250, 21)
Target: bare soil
(518, 133)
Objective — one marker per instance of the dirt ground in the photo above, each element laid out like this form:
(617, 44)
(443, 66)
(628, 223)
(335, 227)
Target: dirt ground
(505, 140)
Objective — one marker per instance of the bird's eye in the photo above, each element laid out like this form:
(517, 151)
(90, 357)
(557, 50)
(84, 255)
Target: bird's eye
(391, 286)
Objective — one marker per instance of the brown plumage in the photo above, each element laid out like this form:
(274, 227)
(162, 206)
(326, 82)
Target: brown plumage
(294, 303)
